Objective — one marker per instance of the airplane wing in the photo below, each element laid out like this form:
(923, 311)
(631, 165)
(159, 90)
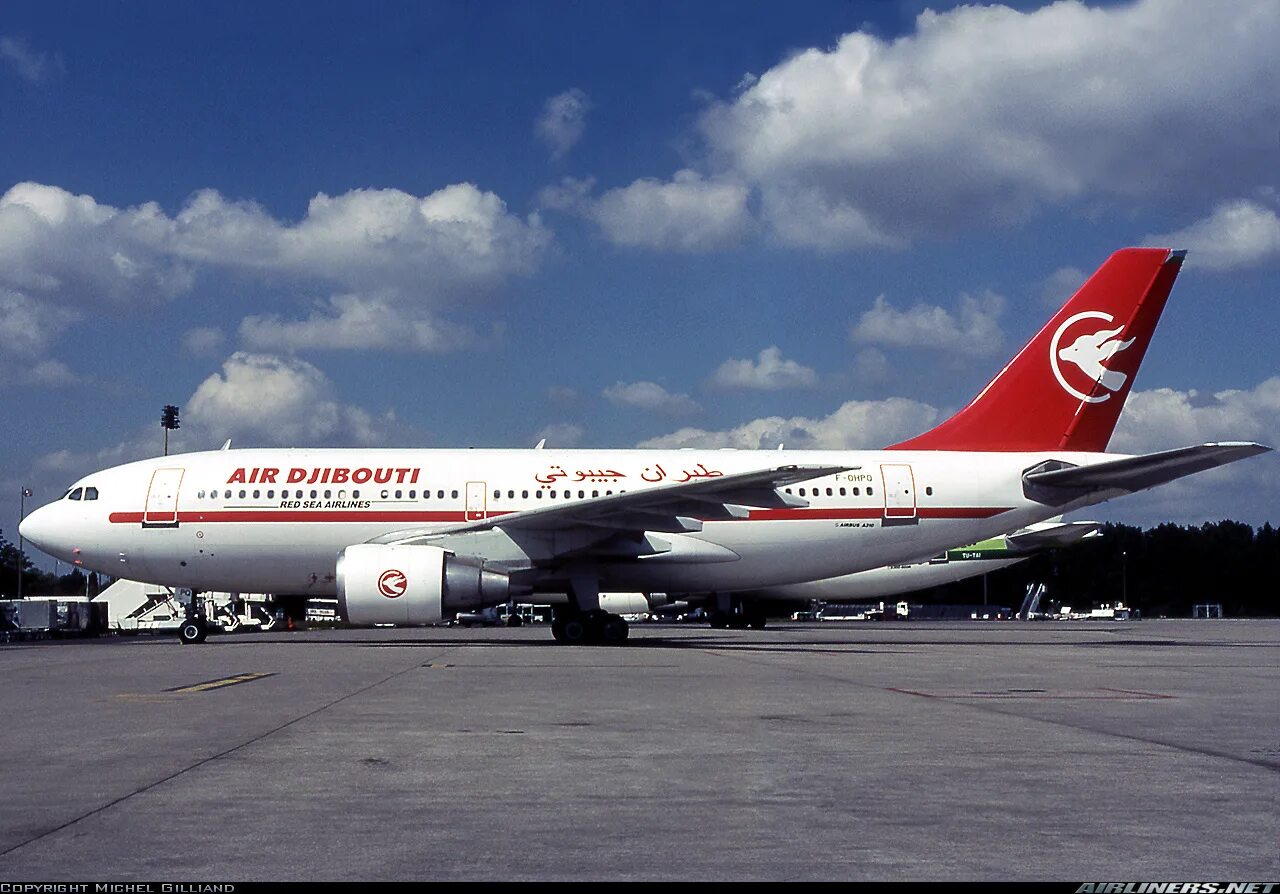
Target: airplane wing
(1136, 473)
(666, 508)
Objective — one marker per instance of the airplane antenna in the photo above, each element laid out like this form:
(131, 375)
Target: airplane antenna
(227, 445)
(540, 444)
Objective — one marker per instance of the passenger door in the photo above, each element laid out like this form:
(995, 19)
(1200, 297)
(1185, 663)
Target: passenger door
(899, 494)
(162, 499)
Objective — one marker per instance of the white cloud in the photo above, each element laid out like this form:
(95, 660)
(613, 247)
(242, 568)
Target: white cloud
(561, 434)
(973, 330)
(650, 396)
(855, 425)
(62, 254)
(1164, 418)
(264, 399)
(1060, 285)
(768, 372)
(27, 329)
(1238, 233)
(71, 251)
(355, 322)
(986, 114)
(30, 65)
(203, 341)
(369, 239)
(563, 121)
(687, 213)
(871, 366)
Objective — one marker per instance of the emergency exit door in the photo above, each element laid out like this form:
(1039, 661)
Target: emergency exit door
(476, 501)
(899, 494)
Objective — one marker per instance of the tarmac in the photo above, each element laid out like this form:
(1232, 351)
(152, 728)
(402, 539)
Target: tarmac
(961, 751)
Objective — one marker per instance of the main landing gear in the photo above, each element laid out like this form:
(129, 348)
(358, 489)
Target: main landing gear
(193, 630)
(577, 628)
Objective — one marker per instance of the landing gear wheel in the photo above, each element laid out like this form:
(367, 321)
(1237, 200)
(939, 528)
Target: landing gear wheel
(193, 631)
(738, 622)
(572, 630)
(756, 622)
(514, 620)
(615, 630)
(719, 620)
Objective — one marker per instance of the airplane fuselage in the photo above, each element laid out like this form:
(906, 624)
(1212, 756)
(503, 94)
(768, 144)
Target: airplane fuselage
(271, 520)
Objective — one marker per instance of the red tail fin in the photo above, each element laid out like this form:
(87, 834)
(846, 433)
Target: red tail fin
(1065, 389)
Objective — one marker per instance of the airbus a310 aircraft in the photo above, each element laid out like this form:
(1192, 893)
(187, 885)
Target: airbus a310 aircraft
(413, 536)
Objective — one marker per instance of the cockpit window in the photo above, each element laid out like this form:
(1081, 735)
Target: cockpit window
(91, 493)
(76, 494)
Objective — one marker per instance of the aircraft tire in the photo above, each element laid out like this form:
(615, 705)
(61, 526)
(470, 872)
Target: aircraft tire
(719, 620)
(192, 632)
(757, 622)
(574, 630)
(614, 630)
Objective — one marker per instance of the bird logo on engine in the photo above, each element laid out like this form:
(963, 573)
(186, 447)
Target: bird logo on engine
(392, 583)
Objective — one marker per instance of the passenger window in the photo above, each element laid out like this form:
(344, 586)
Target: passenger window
(511, 495)
(455, 495)
(857, 492)
(76, 494)
(524, 495)
(788, 490)
(328, 494)
(355, 494)
(342, 495)
(870, 492)
(842, 493)
(439, 495)
(802, 491)
(413, 494)
(928, 491)
(257, 494)
(271, 495)
(581, 494)
(313, 494)
(497, 495)
(828, 492)
(538, 494)
(200, 496)
(595, 493)
(399, 494)
(226, 495)
(242, 495)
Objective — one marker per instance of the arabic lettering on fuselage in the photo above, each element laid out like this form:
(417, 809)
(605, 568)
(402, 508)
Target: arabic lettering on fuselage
(652, 474)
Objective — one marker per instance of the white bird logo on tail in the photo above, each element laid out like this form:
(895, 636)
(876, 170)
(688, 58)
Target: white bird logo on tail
(1089, 352)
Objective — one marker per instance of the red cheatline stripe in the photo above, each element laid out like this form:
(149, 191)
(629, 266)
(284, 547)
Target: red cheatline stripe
(383, 516)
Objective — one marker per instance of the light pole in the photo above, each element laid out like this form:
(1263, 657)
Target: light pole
(169, 422)
(22, 513)
(1124, 577)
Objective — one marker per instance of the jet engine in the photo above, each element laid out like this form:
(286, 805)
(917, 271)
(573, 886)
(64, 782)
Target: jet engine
(407, 585)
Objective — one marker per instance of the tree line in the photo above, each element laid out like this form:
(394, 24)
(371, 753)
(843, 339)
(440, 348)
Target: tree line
(41, 583)
(1162, 571)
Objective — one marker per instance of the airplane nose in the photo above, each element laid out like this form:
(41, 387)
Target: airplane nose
(37, 528)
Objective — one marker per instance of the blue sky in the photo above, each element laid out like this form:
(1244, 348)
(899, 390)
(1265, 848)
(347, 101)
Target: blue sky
(723, 224)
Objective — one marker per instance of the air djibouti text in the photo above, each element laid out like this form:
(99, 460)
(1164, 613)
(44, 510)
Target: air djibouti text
(325, 475)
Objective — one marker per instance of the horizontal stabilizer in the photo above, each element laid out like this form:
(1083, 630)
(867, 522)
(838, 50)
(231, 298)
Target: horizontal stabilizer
(1050, 535)
(1136, 473)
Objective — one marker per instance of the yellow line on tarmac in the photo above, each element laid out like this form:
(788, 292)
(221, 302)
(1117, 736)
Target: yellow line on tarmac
(219, 684)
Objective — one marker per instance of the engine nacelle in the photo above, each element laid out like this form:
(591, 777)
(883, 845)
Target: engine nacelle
(407, 585)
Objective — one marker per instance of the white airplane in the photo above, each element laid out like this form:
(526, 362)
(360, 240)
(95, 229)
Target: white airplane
(412, 536)
(752, 609)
